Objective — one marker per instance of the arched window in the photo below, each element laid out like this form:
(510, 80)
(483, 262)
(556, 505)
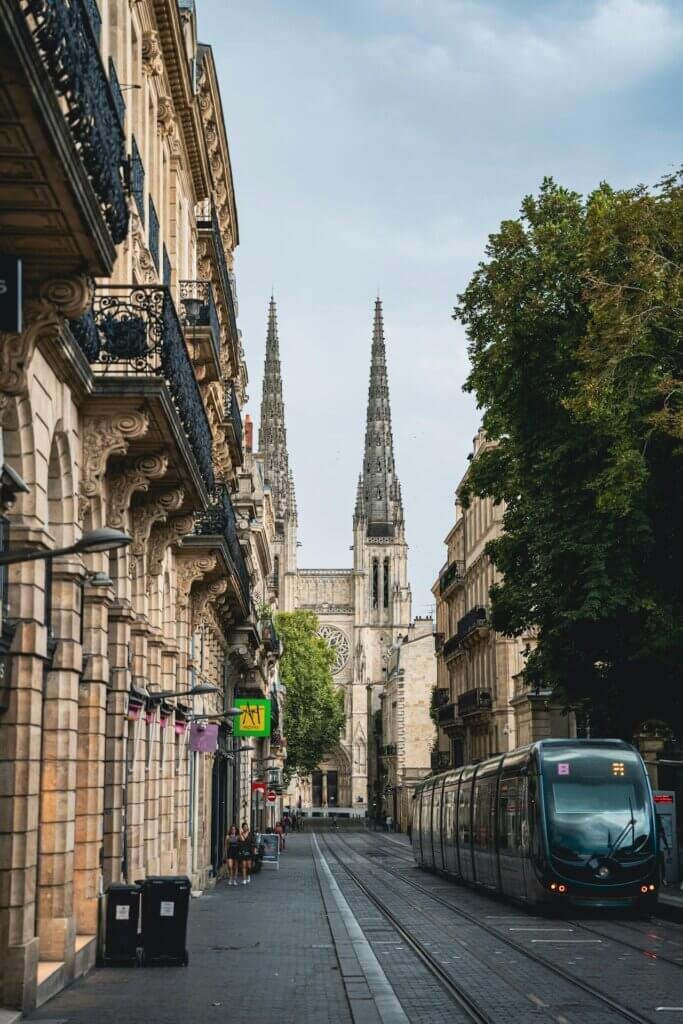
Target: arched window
(375, 582)
(386, 582)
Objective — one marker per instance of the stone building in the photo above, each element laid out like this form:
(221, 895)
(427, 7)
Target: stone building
(120, 397)
(481, 702)
(404, 731)
(361, 609)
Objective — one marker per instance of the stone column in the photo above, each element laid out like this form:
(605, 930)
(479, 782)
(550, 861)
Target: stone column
(116, 779)
(56, 920)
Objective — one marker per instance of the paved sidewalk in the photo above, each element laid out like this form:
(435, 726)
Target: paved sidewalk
(260, 953)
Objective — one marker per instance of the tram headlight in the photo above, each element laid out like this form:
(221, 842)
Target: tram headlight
(603, 872)
(652, 888)
(644, 889)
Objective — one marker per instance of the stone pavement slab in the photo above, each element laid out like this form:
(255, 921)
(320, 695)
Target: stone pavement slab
(260, 953)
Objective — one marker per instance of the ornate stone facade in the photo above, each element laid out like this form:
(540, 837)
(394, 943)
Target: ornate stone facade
(120, 404)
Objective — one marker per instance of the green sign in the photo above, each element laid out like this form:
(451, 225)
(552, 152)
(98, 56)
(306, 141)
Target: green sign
(254, 719)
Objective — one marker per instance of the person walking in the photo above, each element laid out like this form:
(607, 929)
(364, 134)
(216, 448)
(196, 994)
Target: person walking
(230, 853)
(280, 831)
(246, 852)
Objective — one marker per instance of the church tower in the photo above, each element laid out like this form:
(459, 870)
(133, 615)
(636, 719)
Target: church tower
(273, 448)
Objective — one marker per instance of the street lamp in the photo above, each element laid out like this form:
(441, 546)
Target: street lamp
(197, 691)
(104, 538)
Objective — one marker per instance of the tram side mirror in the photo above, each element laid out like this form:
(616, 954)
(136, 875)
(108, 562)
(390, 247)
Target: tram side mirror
(524, 770)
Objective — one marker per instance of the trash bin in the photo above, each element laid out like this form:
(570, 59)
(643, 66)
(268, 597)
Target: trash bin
(122, 916)
(165, 903)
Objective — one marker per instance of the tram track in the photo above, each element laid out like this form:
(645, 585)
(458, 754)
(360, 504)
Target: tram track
(627, 1012)
(581, 925)
(456, 992)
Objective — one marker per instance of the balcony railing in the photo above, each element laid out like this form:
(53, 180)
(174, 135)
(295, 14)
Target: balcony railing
(154, 233)
(440, 697)
(447, 714)
(137, 179)
(198, 309)
(119, 101)
(66, 36)
(219, 520)
(474, 619)
(389, 750)
(439, 760)
(233, 417)
(471, 702)
(269, 635)
(226, 287)
(455, 571)
(93, 10)
(452, 646)
(166, 267)
(133, 330)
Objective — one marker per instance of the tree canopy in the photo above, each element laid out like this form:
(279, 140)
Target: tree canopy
(575, 326)
(314, 708)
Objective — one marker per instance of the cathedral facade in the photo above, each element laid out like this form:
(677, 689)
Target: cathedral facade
(362, 609)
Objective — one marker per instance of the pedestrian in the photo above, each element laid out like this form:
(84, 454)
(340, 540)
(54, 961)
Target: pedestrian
(279, 831)
(230, 853)
(388, 823)
(246, 852)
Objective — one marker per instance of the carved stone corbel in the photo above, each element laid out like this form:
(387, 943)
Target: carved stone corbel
(189, 571)
(123, 486)
(144, 267)
(60, 299)
(202, 597)
(163, 537)
(155, 509)
(104, 436)
(152, 62)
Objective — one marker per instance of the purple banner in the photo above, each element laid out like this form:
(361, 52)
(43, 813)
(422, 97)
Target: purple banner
(204, 738)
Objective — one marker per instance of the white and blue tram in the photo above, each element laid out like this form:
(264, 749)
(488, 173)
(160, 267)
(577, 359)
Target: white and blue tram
(556, 822)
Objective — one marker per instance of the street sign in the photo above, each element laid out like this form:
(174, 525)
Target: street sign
(10, 294)
(254, 718)
(271, 796)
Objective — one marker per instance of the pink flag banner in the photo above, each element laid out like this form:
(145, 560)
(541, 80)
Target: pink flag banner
(204, 739)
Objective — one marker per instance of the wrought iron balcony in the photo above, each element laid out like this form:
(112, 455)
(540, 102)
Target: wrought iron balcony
(389, 750)
(475, 619)
(233, 420)
(439, 760)
(269, 636)
(454, 572)
(473, 702)
(210, 224)
(447, 714)
(452, 647)
(137, 179)
(219, 520)
(134, 331)
(66, 36)
(440, 697)
(154, 233)
(198, 309)
(119, 101)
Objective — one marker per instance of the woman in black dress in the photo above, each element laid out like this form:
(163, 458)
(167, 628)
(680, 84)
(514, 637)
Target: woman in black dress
(245, 852)
(231, 853)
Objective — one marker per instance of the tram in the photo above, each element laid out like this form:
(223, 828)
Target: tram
(558, 822)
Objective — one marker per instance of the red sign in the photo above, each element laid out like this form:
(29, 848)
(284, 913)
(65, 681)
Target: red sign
(663, 798)
(258, 787)
(271, 796)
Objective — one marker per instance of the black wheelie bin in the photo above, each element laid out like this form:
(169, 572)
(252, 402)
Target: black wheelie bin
(122, 916)
(165, 905)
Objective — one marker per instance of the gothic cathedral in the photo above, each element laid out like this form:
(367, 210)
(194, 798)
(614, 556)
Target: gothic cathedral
(363, 609)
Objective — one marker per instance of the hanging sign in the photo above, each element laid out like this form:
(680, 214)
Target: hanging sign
(258, 787)
(254, 718)
(10, 294)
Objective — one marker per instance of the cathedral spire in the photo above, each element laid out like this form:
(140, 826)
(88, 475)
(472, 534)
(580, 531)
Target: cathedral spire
(380, 488)
(272, 432)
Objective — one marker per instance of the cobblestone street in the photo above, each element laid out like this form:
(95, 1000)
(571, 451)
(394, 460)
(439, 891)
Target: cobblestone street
(350, 930)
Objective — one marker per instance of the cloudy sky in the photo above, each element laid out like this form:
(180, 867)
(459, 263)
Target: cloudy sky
(375, 144)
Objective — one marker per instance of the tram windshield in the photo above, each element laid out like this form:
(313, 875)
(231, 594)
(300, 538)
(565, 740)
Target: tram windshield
(597, 804)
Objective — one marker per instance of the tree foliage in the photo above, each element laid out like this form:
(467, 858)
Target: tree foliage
(575, 326)
(314, 708)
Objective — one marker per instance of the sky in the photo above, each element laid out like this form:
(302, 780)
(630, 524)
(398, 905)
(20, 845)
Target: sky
(375, 144)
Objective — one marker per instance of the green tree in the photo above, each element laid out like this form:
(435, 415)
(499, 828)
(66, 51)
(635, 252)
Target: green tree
(575, 335)
(314, 708)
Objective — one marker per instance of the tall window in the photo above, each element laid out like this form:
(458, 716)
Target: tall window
(375, 582)
(386, 582)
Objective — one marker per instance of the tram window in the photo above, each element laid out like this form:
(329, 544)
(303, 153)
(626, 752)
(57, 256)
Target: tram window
(482, 813)
(508, 815)
(464, 813)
